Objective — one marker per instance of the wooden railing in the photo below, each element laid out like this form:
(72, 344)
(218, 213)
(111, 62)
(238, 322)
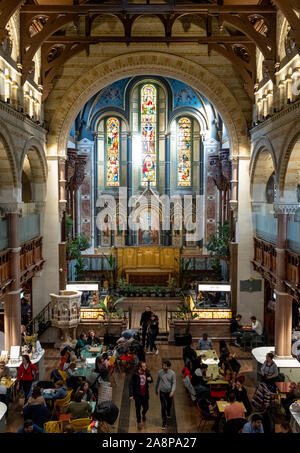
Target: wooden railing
(265, 256)
(4, 266)
(30, 255)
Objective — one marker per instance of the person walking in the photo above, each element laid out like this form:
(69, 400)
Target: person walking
(26, 374)
(152, 333)
(139, 391)
(165, 385)
(145, 318)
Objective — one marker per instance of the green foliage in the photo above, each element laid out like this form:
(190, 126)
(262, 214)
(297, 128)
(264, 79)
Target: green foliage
(69, 224)
(76, 245)
(111, 311)
(217, 268)
(112, 274)
(79, 269)
(184, 312)
(219, 242)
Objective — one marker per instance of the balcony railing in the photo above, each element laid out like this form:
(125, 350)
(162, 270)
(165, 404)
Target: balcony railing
(294, 236)
(29, 227)
(3, 234)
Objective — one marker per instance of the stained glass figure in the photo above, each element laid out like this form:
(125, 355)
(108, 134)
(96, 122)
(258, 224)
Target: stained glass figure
(148, 131)
(112, 152)
(184, 149)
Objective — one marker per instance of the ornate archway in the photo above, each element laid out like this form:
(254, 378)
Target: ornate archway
(152, 63)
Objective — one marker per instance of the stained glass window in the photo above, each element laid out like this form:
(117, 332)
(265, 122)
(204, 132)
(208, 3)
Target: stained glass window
(112, 152)
(184, 149)
(148, 132)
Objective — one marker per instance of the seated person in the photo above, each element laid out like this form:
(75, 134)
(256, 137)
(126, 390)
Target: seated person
(199, 379)
(236, 329)
(87, 394)
(205, 343)
(189, 355)
(196, 364)
(254, 426)
(240, 392)
(234, 410)
(79, 408)
(81, 343)
(291, 396)
(256, 326)
(59, 392)
(4, 370)
(269, 372)
(38, 413)
(105, 359)
(30, 427)
(36, 398)
(92, 340)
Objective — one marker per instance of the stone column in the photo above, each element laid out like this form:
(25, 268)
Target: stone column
(283, 313)
(12, 303)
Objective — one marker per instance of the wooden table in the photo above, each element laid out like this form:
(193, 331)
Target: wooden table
(10, 385)
(247, 329)
(223, 404)
(209, 354)
(218, 382)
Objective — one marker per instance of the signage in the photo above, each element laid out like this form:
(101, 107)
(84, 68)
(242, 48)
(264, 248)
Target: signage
(82, 287)
(215, 288)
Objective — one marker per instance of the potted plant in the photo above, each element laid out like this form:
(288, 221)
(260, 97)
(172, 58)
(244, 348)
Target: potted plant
(184, 312)
(219, 247)
(110, 313)
(74, 248)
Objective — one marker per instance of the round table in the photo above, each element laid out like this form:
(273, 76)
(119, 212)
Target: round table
(295, 421)
(3, 410)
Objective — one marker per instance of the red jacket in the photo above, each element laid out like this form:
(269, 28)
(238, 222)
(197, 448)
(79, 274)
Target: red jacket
(26, 375)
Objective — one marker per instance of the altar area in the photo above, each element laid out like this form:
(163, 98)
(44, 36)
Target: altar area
(148, 265)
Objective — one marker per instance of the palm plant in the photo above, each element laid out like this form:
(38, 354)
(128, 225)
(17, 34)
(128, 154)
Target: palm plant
(113, 272)
(74, 248)
(219, 247)
(110, 310)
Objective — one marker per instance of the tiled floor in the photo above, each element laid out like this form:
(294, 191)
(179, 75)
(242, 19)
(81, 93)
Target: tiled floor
(185, 415)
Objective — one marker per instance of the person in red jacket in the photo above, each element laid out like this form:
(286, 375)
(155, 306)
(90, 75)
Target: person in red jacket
(26, 374)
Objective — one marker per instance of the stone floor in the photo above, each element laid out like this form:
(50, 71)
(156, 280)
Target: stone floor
(185, 415)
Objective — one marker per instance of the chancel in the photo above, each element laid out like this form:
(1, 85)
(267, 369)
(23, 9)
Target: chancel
(149, 205)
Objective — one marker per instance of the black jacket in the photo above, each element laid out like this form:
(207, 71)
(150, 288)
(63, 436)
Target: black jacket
(189, 353)
(134, 384)
(146, 315)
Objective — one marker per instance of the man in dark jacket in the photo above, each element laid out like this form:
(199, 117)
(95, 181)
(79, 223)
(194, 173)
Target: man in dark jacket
(145, 318)
(236, 329)
(189, 356)
(139, 391)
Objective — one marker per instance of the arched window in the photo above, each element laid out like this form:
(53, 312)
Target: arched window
(184, 152)
(148, 119)
(112, 152)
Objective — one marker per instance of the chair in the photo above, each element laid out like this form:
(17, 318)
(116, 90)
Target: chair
(246, 339)
(204, 419)
(53, 427)
(63, 376)
(61, 405)
(260, 340)
(80, 424)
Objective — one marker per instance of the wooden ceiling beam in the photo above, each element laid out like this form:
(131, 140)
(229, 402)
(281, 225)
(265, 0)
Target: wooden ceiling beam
(195, 39)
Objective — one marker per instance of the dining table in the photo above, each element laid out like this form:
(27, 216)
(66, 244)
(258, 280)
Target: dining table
(211, 359)
(223, 404)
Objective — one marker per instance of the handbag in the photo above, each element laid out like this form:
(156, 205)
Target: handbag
(105, 392)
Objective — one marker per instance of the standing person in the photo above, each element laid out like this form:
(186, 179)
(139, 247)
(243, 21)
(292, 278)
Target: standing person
(166, 385)
(139, 391)
(145, 318)
(26, 373)
(152, 333)
(25, 311)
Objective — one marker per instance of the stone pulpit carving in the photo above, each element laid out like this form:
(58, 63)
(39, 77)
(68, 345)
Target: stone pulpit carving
(65, 315)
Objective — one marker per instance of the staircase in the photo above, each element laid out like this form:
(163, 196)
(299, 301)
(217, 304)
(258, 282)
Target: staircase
(40, 323)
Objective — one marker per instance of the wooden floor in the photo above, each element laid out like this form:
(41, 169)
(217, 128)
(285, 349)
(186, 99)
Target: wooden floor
(185, 416)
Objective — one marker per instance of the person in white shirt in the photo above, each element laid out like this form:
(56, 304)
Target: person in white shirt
(256, 326)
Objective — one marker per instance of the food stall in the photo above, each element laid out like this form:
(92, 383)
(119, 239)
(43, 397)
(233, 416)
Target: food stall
(212, 301)
(90, 299)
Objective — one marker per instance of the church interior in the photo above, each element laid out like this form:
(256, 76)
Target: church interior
(150, 157)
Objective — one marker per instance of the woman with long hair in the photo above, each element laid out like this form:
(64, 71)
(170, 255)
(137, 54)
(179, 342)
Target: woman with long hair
(26, 374)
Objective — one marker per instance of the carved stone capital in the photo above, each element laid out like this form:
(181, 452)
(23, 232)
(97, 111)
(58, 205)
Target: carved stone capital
(11, 208)
(62, 208)
(285, 208)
